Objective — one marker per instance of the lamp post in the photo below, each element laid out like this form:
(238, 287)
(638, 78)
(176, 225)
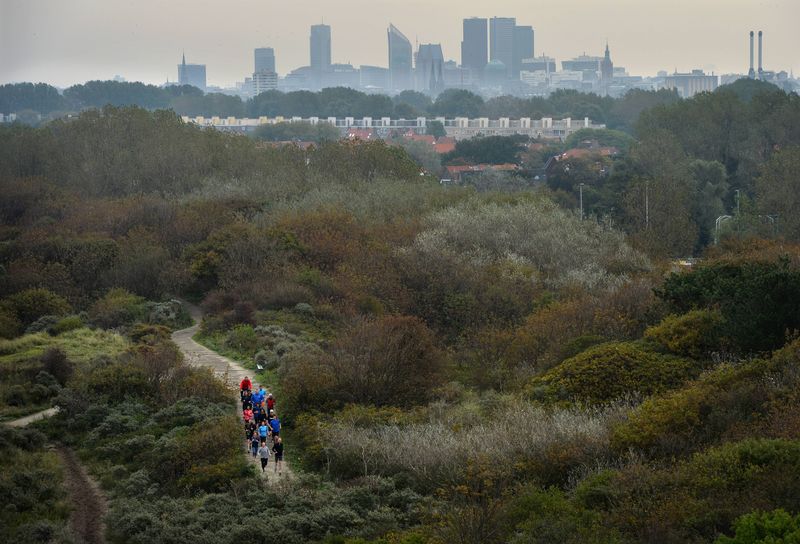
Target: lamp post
(580, 189)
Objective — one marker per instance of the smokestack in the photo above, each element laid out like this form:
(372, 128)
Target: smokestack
(760, 67)
(752, 73)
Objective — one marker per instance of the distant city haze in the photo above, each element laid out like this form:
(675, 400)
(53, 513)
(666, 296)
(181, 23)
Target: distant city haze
(63, 42)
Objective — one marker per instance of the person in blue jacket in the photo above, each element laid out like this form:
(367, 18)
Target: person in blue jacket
(257, 398)
(263, 431)
(275, 426)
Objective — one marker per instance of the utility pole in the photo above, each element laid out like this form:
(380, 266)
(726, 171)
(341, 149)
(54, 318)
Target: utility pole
(738, 209)
(738, 216)
(580, 188)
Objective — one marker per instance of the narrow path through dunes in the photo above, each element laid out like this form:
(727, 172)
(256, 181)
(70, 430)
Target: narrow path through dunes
(89, 506)
(24, 421)
(88, 503)
(226, 369)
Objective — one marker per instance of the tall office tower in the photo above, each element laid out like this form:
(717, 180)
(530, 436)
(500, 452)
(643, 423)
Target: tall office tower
(429, 68)
(501, 41)
(474, 46)
(320, 48)
(523, 48)
(264, 59)
(192, 74)
(400, 53)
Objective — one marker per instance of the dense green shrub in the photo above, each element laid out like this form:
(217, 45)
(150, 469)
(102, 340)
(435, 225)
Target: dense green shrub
(117, 308)
(759, 301)
(243, 339)
(750, 399)
(66, 324)
(548, 515)
(611, 371)
(693, 334)
(31, 304)
(10, 325)
(205, 456)
(691, 500)
(775, 527)
(56, 363)
(31, 488)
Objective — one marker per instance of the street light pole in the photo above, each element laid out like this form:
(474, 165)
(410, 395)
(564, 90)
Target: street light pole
(580, 188)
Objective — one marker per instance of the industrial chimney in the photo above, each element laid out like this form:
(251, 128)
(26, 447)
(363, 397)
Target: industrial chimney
(760, 66)
(752, 73)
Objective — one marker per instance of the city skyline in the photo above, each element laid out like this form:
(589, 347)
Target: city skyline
(140, 48)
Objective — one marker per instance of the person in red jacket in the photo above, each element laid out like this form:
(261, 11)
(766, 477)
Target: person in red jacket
(270, 403)
(245, 385)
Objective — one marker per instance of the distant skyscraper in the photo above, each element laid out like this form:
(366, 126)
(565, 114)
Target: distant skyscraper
(606, 71)
(523, 48)
(264, 59)
(429, 68)
(400, 53)
(320, 48)
(474, 46)
(501, 41)
(192, 74)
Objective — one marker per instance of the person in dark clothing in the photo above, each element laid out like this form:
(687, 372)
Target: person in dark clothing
(277, 448)
(254, 443)
(249, 430)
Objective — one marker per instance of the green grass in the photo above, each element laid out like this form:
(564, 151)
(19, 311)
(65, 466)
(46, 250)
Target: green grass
(20, 360)
(80, 345)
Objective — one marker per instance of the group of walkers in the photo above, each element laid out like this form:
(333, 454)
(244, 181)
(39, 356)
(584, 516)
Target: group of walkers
(262, 427)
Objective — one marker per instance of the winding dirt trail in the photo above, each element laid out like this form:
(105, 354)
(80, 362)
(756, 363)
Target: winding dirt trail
(227, 369)
(86, 521)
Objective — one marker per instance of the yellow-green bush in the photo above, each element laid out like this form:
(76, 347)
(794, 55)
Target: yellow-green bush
(610, 371)
(731, 400)
(118, 307)
(31, 304)
(693, 334)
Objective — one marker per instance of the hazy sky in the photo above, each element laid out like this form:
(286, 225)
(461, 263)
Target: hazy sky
(70, 41)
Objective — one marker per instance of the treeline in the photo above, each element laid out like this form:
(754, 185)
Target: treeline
(727, 153)
(124, 151)
(332, 102)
